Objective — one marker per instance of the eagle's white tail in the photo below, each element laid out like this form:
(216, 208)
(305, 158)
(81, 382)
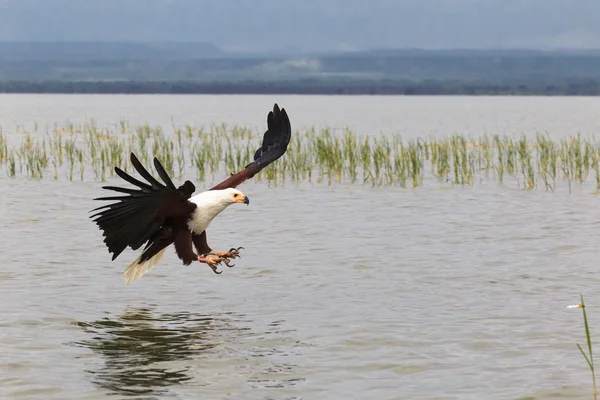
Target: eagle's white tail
(136, 270)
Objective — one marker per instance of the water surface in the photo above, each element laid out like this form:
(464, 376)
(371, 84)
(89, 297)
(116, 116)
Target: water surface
(342, 292)
(411, 116)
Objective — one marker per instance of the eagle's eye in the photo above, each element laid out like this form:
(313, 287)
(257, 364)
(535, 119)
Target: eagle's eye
(235, 195)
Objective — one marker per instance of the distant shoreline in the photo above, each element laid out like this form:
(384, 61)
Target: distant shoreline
(310, 87)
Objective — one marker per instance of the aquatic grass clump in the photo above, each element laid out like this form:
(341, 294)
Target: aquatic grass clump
(86, 151)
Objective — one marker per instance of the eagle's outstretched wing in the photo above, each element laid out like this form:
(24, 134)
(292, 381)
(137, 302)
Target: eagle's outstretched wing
(275, 143)
(136, 217)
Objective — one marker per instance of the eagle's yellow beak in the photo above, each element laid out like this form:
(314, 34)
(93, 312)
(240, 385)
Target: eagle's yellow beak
(242, 199)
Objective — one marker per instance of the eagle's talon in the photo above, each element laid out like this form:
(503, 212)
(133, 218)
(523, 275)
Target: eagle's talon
(224, 260)
(213, 262)
(229, 265)
(232, 253)
(233, 250)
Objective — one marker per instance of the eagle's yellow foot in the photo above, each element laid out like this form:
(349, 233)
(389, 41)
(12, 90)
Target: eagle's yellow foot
(213, 262)
(232, 253)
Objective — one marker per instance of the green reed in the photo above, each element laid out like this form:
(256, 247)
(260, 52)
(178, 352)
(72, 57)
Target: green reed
(588, 357)
(86, 151)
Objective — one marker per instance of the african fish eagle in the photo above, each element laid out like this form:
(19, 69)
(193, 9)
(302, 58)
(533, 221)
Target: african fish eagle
(159, 215)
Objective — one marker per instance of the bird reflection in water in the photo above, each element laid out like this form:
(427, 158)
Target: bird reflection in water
(137, 344)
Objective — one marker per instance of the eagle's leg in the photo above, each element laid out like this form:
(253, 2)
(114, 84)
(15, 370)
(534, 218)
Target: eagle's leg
(232, 253)
(213, 262)
(204, 250)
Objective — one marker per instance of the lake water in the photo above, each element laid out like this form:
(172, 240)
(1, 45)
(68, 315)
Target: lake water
(343, 292)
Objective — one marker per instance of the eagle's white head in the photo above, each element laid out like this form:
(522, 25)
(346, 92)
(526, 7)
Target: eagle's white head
(210, 203)
(232, 195)
(219, 199)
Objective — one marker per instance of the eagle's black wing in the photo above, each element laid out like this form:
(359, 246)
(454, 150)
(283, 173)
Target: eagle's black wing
(274, 144)
(133, 219)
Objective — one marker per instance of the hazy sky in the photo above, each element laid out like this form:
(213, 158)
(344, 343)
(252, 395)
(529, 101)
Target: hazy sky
(311, 24)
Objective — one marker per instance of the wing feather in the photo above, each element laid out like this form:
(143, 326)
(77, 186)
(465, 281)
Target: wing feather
(157, 242)
(133, 219)
(144, 172)
(274, 145)
(163, 174)
(121, 190)
(124, 175)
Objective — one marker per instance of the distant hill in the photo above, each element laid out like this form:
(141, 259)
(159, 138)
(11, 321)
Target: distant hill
(106, 51)
(204, 62)
(130, 67)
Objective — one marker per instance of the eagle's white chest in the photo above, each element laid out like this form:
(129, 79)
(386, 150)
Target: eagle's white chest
(208, 207)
